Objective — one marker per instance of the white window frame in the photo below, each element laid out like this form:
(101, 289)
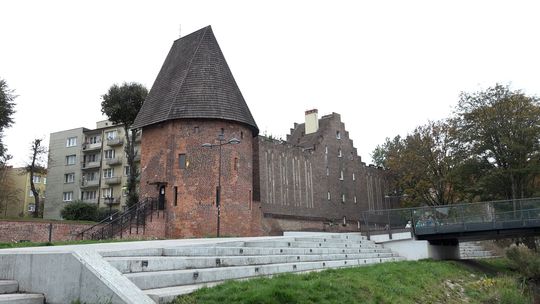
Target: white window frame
(108, 173)
(31, 207)
(67, 179)
(93, 139)
(343, 198)
(340, 154)
(338, 135)
(67, 196)
(328, 196)
(127, 170)
(68, 157)
(110, 135)
(341, 175)
(107, 192)
(30, 193)
(353, 177)
(71, 142)
(355, 199)
(37, 179)
(86, 196)
(109, 154)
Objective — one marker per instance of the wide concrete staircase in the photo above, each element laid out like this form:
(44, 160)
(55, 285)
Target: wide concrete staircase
(474, 250)
(9, 294)
(165, 273)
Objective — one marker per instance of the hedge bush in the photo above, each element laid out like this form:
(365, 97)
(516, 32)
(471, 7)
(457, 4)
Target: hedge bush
(81, 211)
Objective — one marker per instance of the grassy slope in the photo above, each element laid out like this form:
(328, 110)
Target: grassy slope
(404, 282)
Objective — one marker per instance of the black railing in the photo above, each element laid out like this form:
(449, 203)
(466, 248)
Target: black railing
(492, 215)
(120, 223)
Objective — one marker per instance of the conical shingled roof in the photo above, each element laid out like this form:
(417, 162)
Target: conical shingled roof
(195, 82)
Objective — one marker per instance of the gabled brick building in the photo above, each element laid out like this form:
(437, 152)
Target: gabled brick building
(314, 180)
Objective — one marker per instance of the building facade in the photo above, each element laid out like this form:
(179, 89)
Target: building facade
(202, 157)
(16, 196)
(87, 165)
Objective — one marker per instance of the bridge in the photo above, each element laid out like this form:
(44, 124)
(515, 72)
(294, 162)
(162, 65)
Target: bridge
(447, 225)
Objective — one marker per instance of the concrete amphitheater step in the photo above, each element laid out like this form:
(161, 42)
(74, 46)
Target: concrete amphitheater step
(161, 279)
(161, 263)
(305, 244)
(234, 251)
(8, 286)
(22, 298)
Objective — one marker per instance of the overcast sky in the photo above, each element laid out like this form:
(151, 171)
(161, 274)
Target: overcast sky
(385, 66)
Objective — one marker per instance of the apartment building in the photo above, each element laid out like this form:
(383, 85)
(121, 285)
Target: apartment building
(87, 165)
(16, 196)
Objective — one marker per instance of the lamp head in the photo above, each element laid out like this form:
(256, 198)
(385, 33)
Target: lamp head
(234, 141)
(207, 145)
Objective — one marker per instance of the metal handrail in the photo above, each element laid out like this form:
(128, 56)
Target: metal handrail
(454, 205)
(119, 221)
(428, 218)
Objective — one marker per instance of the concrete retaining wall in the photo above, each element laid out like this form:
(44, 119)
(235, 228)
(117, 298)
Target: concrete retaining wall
(69, 276)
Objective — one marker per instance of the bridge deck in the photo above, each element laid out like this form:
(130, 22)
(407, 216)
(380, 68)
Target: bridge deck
(485, 220)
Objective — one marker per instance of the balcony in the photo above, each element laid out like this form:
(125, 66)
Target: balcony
(89, 183)
(115, 180)
(113, 161)
(90, 165)
(115, 141)
(90, 201)
(91, 147)
(111, 200)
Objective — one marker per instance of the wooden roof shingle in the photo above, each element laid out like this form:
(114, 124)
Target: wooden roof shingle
(195, 82)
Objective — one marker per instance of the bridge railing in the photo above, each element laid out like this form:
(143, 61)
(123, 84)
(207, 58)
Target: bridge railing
(490, 215)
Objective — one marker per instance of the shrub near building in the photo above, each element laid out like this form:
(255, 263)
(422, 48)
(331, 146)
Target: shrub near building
(80, 211)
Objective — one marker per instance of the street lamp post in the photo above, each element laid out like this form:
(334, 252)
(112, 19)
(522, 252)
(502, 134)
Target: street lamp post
(232, 141)
(109, 200)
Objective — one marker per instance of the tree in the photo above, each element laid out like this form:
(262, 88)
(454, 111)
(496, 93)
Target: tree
(121, 104)
(421, 165)
(7, 109)
(500, 128)
(34, 168)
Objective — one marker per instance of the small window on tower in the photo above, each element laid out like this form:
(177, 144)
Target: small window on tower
(196, 130)
(338, 135)
(236, 164)
(222, 131)
(241, 135)
(175, 195)
(182, 161)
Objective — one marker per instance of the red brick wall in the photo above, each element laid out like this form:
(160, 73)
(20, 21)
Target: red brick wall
(195, 213)
(155, 228)
(11, 231)
(276, 226)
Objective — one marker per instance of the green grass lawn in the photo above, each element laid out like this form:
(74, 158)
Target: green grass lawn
(402, 282)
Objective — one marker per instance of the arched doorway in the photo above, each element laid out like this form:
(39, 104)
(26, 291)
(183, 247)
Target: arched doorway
(161, 198)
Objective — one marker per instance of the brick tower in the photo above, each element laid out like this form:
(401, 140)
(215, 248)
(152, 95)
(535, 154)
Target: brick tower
(195, 100)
